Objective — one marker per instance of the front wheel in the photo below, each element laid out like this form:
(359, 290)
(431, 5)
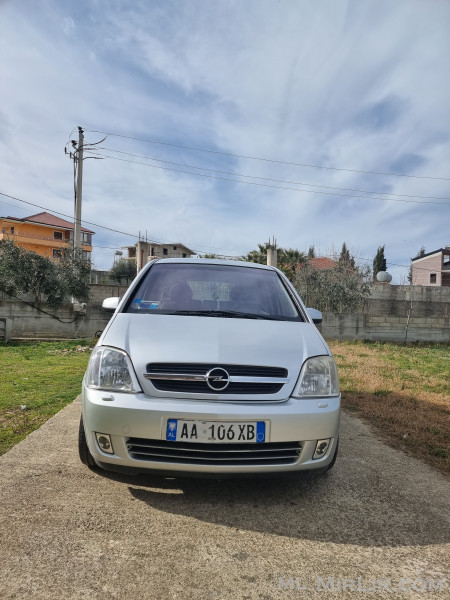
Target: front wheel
(83, 450)
(331, 465)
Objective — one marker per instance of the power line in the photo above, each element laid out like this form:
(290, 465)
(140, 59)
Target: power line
(392, 264)
(278, 187)
(197, 251)
(160, 242)
(149, 141)
(3, 203)
(271, 179)
(68, 216)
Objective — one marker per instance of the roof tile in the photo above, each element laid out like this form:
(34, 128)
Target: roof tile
(45, 218)
(322, 263)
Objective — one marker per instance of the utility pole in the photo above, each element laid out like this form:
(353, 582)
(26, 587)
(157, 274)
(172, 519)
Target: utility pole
(78, 192)
(76, 154)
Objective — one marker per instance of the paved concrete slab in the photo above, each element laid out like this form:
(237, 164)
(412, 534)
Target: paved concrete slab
(66, 532)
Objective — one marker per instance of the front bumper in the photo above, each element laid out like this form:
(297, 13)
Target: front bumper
(292, 424)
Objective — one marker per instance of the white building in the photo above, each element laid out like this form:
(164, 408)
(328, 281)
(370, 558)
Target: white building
(143, 252)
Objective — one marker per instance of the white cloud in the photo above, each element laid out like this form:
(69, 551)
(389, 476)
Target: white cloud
(361, 86)
(68, 25)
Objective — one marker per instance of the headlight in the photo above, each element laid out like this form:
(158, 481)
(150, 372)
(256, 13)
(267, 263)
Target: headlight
(111, 369)
(318, 377)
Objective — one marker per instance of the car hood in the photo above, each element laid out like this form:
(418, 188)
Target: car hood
(160, 338)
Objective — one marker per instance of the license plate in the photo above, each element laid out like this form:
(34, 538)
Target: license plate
(216, 432)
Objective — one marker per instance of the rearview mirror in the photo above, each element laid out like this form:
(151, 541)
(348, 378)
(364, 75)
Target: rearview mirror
(110, 303)
(315, 315)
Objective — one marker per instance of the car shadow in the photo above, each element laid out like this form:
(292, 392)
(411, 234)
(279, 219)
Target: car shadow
(337, 507)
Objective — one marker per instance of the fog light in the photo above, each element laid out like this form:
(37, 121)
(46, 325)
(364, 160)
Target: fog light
(321, 449)
(104, 442)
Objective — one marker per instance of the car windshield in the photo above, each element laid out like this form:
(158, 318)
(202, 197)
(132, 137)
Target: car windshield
(211, 290)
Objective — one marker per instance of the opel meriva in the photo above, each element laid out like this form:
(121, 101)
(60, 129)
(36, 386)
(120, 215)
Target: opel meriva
(210, 368)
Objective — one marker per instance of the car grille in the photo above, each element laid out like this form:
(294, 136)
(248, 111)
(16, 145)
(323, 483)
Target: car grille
(277, 453)
(175, 377)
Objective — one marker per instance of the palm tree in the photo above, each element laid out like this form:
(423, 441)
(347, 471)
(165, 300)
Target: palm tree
(258, 256)
(289, 260)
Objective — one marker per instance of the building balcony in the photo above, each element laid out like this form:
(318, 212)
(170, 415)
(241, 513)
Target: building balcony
(23, 239)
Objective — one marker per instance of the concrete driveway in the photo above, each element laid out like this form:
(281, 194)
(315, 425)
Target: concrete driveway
(377, 526)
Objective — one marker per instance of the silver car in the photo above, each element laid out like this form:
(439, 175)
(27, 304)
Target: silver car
(210, 368)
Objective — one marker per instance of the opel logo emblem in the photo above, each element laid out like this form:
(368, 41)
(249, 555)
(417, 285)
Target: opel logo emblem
(217, 379)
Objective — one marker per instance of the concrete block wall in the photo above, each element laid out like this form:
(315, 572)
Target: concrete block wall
(398, 300)
(384, 318)
(385, 328)
(25, 321)
(100, 292)
(395, 313)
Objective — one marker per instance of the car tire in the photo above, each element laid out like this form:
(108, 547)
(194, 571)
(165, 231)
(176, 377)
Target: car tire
(333, 460)
(83, 450)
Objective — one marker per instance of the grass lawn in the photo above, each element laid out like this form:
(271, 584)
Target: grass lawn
(403, 391)
(36, 381)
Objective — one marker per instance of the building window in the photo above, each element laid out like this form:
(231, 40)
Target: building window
(432, 277)
(56, 253)
(86, 256)
(174, 247)
(86, 238)
(57, 235)
(165, 251)
(184, 254)
(12, 230)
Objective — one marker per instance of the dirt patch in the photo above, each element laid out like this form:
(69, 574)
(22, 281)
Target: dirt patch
(403, 393)
(415, 426)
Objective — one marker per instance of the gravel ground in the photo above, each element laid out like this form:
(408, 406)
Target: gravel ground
(378, 522)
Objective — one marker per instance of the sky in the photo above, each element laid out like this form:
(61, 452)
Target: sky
(232, 122)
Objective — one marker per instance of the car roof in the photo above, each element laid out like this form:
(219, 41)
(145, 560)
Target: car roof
(214, 261)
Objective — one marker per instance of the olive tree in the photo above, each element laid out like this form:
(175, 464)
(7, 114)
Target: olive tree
(123, 269)
(25, 272)
(75, 272)
(340, 289)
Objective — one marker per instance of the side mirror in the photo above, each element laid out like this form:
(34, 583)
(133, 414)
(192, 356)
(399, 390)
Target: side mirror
(111, 303)
(315, 315)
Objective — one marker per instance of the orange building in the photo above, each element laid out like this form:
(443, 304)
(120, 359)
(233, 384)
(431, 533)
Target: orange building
(44, 234)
